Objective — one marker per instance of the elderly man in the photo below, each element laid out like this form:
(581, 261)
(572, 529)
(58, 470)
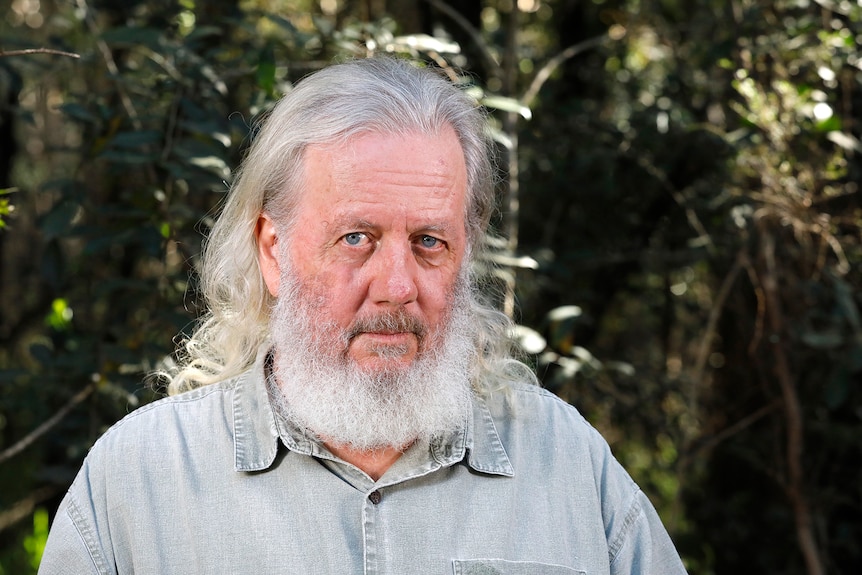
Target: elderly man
(348, 405)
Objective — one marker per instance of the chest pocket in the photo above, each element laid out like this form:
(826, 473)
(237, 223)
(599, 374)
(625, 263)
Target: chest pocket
(503, 567)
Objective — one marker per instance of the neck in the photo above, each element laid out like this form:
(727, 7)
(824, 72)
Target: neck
(373, 463)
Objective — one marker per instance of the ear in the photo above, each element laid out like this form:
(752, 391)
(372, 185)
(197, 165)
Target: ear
(267, 252)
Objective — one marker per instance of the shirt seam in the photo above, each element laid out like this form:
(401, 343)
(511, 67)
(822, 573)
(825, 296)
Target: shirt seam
(187, 397)
(85, 532)
(619, 541)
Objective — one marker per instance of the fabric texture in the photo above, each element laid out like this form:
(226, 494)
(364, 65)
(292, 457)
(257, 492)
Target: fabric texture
(215, 481)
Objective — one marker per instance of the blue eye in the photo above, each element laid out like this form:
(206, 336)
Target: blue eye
(429, 241)
(354, 239)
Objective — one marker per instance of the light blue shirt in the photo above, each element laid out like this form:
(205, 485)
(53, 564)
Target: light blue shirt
(214, 481)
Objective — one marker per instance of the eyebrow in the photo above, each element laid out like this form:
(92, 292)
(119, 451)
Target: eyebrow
(349, 222)
(353, 223)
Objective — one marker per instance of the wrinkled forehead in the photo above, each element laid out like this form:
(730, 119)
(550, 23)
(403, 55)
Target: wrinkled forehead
(417, 169)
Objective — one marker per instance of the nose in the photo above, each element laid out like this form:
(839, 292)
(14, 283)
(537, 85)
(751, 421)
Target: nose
(393, 274)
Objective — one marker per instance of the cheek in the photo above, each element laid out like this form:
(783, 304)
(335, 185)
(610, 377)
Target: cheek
(335, 298)
(437, 297)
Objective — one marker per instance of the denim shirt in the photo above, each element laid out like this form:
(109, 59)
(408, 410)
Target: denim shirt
(214, 481)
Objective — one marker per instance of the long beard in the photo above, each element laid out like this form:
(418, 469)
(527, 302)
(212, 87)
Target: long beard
(326, 394)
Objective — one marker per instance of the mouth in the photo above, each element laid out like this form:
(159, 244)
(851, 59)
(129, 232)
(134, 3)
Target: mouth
(388, 336)
(394, 326)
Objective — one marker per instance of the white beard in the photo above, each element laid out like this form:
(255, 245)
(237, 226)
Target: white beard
(326, 394)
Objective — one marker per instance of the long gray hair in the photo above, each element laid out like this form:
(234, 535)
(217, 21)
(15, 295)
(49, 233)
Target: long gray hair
(380, 95)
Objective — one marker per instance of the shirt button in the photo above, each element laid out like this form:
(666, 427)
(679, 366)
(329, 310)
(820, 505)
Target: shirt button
(375, 497)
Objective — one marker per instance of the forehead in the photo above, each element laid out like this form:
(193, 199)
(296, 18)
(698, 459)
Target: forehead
(414, 175)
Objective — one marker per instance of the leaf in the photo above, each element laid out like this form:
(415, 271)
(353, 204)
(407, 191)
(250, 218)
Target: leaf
(265, 74)
(837, 389)
(209, 129)
(500, 137)
(529, 339)
(202, 155)
(60, 219)
(425, 43)
(830, 124)
(127, 157)
(213, 164)
(829, 339)
(847, 304)
(523, 262)
(78, 112)
(283, 23)
(507, 105)
(566, 312)
(845, 141)
(561, 327)
(42, 352)
(203, 32)
(135, 139)
(134, 36)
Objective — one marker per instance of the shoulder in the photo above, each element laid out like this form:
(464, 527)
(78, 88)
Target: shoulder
(529, 405)
(540, 429)
(180, 409)
(169, 428)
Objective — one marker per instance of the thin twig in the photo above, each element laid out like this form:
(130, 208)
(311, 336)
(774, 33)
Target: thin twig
(712, 322)
(792, 411)
(757, 336)
(478, 41)
(30, 51)
(680, 199)
(111, 64)
(551, 65)
(46, 426)
(729, 432)
(21, 509)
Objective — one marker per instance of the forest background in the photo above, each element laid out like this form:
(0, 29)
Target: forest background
(679, 227)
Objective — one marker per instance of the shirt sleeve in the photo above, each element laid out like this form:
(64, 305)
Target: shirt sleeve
(643, 545)
(66, 551)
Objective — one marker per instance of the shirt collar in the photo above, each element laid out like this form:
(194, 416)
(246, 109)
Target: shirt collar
(486, 453)
(254, 420)
(257, 427)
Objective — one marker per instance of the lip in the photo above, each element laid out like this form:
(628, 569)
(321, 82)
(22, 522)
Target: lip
(388, 337)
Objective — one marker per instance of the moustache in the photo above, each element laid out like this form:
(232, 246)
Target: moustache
(397, 321)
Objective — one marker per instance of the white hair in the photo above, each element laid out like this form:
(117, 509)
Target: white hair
(326, 394)
(380, 95)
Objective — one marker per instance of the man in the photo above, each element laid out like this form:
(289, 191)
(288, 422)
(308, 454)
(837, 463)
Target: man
(350, 406)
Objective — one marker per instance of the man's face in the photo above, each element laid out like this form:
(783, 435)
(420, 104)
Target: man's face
(380, 235)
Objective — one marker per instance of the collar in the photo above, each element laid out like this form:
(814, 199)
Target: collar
(258, 429)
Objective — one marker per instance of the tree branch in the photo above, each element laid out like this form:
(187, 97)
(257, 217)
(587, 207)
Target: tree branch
(712, 322)
(110, 64)
(18, 511)
(46, 426)
(30, 51)
(792, 411)
(551, 65)
(728, 432)
(490, 61)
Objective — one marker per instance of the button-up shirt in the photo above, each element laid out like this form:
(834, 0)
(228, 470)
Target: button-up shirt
(216, 481)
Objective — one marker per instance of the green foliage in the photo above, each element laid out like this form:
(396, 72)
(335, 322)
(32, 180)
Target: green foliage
(6, 207)
(35, 544)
